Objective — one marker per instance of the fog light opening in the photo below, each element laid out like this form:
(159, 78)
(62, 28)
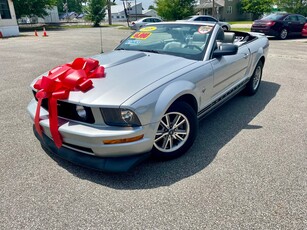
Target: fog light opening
(81, 111)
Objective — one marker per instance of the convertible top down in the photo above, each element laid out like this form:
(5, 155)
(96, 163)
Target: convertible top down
(145, 97)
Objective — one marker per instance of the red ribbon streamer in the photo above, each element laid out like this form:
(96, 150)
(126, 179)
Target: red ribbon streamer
(57, 85)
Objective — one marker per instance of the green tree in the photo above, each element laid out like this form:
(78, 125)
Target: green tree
(293, 6)
(96, 11)
(175, 9)
(32, 8)
(256, 7)
(151, 7)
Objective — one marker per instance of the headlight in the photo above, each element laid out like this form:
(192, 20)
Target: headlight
(82, 113)
(120, 117)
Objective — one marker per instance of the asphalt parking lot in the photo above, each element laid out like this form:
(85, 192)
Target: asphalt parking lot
(246, 170)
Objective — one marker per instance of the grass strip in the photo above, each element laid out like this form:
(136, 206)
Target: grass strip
(240, 22)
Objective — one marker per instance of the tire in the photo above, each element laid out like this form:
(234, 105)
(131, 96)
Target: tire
(225, 28)
(253, 85)
(283, 34)
(172, 142)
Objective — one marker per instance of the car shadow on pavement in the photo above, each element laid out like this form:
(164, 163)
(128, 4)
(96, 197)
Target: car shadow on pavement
(300, 38)
(215, 131)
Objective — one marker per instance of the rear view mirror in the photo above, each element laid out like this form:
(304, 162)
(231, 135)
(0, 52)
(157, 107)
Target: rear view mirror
(225, 50)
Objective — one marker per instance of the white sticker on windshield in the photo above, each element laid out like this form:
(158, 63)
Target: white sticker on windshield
(204, 29)
(148, 28)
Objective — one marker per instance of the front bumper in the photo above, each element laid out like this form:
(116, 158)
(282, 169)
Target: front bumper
(265, 30)
(105, 164)
(84, 145)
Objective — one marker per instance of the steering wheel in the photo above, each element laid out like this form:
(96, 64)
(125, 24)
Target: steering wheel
(193, 46)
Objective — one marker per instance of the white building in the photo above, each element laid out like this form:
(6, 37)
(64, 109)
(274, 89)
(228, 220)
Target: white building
(8, 22)
(52, 17)
(118, 11)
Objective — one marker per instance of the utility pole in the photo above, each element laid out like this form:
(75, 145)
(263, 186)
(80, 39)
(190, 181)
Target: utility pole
(65, 7)
(126, 14)
(213, 8)
(109, 12)
(136, 12)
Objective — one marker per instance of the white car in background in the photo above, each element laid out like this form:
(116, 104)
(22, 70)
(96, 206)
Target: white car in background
(207, 18)
(143, 21)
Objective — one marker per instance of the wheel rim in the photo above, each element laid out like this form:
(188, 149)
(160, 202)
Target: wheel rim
(173, 132)
(283, 34)
(257, 77)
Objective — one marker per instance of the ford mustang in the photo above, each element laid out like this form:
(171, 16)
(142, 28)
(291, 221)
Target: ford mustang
(145, 97)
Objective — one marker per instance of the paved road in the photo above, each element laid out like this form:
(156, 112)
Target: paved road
(246, 170)
(244, 25)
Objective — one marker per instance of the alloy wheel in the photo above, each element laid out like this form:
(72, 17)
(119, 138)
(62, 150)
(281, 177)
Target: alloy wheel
(283, 34)
(173, 132)
(257, 77)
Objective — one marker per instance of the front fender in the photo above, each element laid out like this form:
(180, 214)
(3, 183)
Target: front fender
(170, 94)
(152, 107)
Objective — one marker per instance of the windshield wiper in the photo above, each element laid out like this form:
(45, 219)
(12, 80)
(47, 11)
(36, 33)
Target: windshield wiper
(150, 51)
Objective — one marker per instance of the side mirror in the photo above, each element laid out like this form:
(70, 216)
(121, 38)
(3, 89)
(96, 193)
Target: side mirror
(225, 50)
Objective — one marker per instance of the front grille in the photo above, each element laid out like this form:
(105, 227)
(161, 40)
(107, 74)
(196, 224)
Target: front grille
(68, 111)
(80, 148)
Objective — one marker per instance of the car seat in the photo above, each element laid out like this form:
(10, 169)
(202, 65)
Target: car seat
(178, 40)
(199, 40)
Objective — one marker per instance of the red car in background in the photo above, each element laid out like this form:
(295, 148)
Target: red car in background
(304, 31)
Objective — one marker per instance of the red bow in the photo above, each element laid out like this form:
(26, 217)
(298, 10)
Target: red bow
(57, 85)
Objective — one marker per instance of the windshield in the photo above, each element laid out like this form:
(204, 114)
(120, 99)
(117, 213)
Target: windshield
(183, 40)
(273, 17)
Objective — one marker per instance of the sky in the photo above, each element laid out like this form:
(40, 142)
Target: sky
(145, 3)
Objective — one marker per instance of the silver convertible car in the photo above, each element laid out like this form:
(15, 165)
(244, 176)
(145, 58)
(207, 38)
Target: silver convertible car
(146, 96)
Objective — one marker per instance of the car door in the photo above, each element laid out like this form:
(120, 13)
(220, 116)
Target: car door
(293, 24)
(200, 19)
(229, 70)
(146, 21)
(302, 20)
(210, 19)
(156, 20)
(205, 19)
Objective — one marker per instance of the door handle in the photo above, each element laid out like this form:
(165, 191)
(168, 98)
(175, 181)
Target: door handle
(246, 56)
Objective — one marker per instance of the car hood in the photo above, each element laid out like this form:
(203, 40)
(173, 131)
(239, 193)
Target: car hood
(126, 73)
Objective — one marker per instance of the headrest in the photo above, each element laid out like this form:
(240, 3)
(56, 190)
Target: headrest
(220, 35)
(229, 37)
(177, 34)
